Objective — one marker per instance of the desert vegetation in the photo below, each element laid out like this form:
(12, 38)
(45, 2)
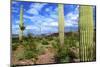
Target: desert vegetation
(30, 50)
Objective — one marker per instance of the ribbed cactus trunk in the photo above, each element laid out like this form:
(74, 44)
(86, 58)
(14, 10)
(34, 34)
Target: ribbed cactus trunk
(21, 23)
(61, 23)
(86, 33)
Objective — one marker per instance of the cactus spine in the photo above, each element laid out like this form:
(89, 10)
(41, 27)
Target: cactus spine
(61, 23)
(86, 33)
(21, 24)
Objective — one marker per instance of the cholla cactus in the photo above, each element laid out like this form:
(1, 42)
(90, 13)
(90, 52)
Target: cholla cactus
(61, 23)
(21, 24)
(86, 33)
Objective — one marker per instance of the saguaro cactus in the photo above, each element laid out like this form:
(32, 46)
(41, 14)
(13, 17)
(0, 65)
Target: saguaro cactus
(86, 33)
(61, 23)
(21, 24)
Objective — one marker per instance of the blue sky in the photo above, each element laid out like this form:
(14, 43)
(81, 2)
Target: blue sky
(42, 18)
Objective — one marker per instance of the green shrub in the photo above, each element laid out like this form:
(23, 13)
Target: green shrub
(41, 49)
(20, 55)
(44, 42)
(29, 54)
(14, 46)
(55, 45)
(26, 54)
(50, 38)
(62, 55)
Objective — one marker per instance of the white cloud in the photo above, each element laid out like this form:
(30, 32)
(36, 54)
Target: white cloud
(48, 19)
(47, 9)
(33, 11)
(35, 18)
(51, 24)
(14, 9)
(68, 24)
(32, 27)
(54, 24)
(38, 6)
(27, 17)
(45, 23)
(46, 29)
(55, 16)
(17, 21)
(15, 31)
(35, 8)
(15, 26)
(52, 12)
(13, 2)
(71, 23)
(39, 19)
(71, 18)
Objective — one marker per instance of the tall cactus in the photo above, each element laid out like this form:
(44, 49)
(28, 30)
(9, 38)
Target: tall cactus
(86, 33)
(21, 24)
(61, 23)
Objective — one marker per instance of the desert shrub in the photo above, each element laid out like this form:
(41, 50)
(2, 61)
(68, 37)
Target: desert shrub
(20, 55)
(29, 54)
(65, 53)
(29, 44)
(73, 53)
(72, 43)
(56, 39)
(15, 40)
(41, 49)
(50, 38)
(14, 46)
(55, 45)
(45, 42)
(30, 50)
(62, 54)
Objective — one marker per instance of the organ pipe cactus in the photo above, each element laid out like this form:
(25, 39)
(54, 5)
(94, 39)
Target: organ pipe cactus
(21, 24)
(86, 33)
(61, 23)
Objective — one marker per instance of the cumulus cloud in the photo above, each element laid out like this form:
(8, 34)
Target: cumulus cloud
(15, 9)
(35, 8)
(71, 18)
(32, 27)
(38, 6)
(13, 2)
(15, 26)
(37, 22)
(51, 24)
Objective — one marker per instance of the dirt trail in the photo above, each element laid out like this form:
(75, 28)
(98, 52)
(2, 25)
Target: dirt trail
(46, 58)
